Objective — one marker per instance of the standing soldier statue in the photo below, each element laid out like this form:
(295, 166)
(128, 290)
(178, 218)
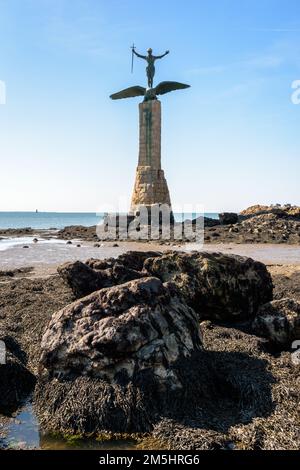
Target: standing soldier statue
(150, 58)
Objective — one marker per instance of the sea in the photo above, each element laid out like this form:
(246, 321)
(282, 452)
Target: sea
(59, 220)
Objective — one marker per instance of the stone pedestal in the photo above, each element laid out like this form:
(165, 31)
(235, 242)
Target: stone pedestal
(150, 186)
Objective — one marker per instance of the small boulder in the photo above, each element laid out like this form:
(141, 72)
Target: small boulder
(81, 278)
(95, 274)
(279, 321)
(228, 218)
(208, 222)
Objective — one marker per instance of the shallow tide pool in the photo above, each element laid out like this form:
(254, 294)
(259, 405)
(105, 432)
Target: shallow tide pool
(24, 433)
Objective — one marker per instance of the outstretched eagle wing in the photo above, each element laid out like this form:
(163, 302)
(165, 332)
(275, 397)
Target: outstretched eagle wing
(129, 93)
(166, 87)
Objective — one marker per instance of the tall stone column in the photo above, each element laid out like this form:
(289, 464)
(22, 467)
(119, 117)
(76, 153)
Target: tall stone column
(150, 186)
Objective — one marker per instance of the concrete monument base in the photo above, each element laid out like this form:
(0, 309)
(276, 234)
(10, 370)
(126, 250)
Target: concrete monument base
(150, 188)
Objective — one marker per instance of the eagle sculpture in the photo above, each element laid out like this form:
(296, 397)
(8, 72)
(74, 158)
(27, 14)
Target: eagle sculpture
(149, 93)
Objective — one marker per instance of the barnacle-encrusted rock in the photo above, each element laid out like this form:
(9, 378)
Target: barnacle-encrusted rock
(120, 332)
(85, 278)
(279, 321)
(217, 286)
(117, 358)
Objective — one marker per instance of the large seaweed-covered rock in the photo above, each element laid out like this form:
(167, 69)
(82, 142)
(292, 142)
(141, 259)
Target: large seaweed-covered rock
(217, 286)
(95, 274)
(279, 321)
(117, 333)
(227, 384)
(117, 358)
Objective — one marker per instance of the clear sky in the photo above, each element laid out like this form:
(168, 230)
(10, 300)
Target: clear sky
(229, 141)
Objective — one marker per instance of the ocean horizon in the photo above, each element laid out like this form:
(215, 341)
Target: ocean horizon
(59, 220)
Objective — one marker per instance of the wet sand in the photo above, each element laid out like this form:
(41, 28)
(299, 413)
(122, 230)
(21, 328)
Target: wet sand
(46, 255)
(266, 253)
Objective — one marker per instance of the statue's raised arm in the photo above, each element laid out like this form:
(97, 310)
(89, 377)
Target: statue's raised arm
(139, 55)
(161, 56)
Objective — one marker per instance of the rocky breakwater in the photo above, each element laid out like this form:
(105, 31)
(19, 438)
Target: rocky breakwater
(259, 224)
(122, 357)
(284, 210)
(78, 232)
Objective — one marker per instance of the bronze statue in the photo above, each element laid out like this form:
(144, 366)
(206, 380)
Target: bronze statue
(149, 93)
(150, 58)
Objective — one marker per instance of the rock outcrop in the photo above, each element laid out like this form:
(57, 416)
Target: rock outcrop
(124, 355)
(81, 278)
(257, 224)
(269, 227)
(255, 210)
(286, 210)
(118, 358)
(78, 232)
(279, 321)
(237, 394)
(118, 333)
(228, 218)
(95, 274)
(216, 286)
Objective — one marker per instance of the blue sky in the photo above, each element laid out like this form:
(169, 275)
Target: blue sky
(229, 141)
